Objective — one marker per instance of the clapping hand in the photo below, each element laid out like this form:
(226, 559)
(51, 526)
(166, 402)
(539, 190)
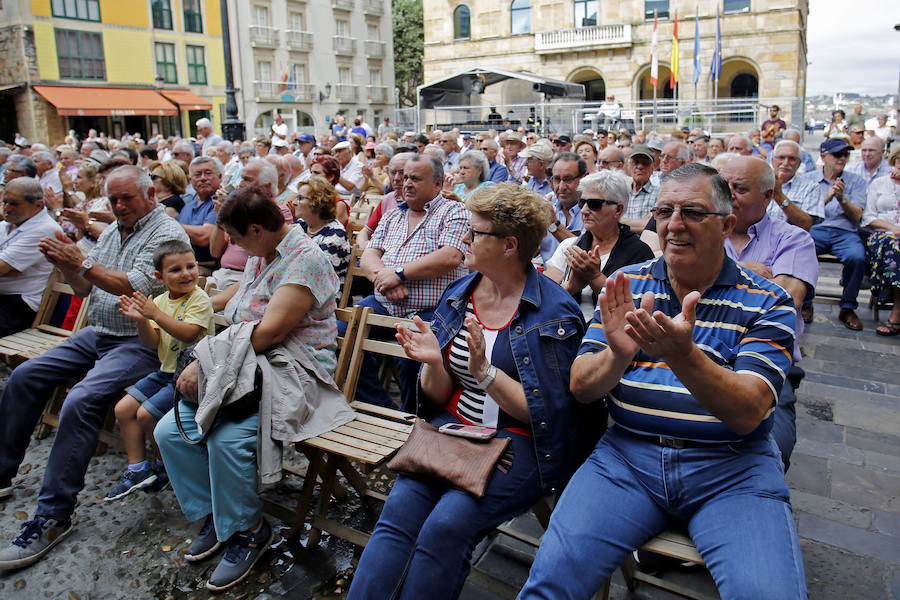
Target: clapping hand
(420, 345)
(137, 306)
(478, 362)
(658, 334)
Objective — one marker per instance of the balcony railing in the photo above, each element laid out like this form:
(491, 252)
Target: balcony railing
(260, 35)
(583, 38)
(377, 93)
(344, 45)
(374, 49)
(276, 90)
(344, 92)
(299, 40)
(343, 4)
(373, 7)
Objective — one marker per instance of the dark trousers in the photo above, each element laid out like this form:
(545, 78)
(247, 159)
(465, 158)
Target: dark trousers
(108, 365)
(15, 314)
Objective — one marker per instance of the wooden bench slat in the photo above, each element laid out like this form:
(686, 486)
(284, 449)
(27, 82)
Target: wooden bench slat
(393, 425)
(356, 442)
(390, 348)
(385, 433)
(369, 436)
(383, 411)
(343, 450)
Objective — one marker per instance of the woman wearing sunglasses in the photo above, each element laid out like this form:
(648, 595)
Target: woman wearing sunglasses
(581, 265)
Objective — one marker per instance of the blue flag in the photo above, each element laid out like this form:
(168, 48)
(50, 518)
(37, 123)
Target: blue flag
(697, 68)
(715, 68)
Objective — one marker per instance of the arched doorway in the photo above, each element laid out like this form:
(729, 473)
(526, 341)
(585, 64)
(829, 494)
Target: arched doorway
(643, 89)
(740, 79)
(745, 85)
(593, 82)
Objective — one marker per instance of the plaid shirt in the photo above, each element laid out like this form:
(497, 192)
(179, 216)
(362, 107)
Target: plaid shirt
(518, 169)
(445, 224)
(134, 257)
(641, 201)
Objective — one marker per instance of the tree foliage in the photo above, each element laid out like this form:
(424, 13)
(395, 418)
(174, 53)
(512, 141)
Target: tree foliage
(408, 48)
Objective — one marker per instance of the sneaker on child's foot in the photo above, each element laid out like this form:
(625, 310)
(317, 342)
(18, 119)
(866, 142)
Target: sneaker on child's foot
(205, 544)
(241, 553)
(131, 480)
(37, 539)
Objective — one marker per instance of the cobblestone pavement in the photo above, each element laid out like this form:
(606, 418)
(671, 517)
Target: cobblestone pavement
(844, 479)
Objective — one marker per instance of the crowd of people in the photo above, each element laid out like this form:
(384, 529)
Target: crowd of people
(660, 280)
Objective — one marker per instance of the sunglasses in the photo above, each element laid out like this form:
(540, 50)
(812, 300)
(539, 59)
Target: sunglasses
(595, 204)
(841, 154)
(688, 214)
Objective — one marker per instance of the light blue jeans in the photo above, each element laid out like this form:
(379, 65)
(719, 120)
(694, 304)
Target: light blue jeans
(732, 497)
(217, 476)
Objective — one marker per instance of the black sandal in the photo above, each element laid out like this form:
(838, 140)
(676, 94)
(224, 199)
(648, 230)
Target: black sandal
(888, 328)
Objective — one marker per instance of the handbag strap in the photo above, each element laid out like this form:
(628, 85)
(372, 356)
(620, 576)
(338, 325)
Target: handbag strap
(180, 426)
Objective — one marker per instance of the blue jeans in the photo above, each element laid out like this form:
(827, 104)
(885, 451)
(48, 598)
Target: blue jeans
(369, 388)
(109, 364)
(731, 496)
(848, 249)
(425, 536)
(155, 392)
(217, 476)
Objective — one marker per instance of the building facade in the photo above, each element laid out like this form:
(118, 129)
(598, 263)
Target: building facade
(606, 45)
(311, 59)
(117, 66)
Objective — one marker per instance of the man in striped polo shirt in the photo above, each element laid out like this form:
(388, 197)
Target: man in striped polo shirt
(690, 351)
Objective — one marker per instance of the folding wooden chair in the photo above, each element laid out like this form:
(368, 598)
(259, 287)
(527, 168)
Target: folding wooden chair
(674, 543)
(372, 438)
(354, 270)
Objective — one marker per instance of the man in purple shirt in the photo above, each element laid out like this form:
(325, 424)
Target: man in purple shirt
(780, 252)
(498, 173)
(844, 197)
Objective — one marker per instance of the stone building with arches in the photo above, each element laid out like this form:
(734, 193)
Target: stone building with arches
(606, 45)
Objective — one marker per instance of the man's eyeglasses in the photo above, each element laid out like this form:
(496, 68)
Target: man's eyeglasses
(688, 214)
(672, 157)
(474, 233)
(841, 154)
(566, 179)
(595, 204)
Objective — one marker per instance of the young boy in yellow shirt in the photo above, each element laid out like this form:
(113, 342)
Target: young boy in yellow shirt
(170, 322)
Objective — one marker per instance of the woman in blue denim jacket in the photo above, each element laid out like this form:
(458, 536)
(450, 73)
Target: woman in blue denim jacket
(497, 354)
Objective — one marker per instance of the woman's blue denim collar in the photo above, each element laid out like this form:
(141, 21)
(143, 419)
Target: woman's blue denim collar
(530, 294)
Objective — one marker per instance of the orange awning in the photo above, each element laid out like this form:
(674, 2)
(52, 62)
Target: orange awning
(187, 100)
(92, 102)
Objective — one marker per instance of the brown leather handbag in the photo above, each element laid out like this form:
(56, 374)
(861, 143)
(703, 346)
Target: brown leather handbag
(462, 463)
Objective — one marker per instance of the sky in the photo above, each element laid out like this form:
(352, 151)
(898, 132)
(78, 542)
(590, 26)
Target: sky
(853, 47)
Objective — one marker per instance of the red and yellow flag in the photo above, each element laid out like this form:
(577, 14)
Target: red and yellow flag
(673, 70)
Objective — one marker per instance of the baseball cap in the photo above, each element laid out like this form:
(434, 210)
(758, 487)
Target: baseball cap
(642, 150)
(306, 137)
(538, 150)
(370, 146)
(563, 139)
(833, 145)
(511, 136)
(341, 146)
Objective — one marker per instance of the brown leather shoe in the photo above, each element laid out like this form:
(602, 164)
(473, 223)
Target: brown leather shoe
(806, 313)
(850, 320)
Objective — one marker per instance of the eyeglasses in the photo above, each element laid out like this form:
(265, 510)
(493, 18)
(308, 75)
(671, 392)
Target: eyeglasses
(841, 154)
(668, 157)
(566, 179)
(595, 204)
(474, 233)
(688, 214)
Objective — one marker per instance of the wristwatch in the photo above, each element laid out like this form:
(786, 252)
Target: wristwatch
(554, 226)
(785, 203)
(398, 271)
(86, 265)
(488, 379)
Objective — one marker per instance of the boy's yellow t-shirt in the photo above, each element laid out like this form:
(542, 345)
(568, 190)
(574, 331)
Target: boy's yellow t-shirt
(195, 308)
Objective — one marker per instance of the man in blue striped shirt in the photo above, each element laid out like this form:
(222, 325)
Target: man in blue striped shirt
(690, 351)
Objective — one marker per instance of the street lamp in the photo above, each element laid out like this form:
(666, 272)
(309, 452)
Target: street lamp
(232, 127)
(326, 94)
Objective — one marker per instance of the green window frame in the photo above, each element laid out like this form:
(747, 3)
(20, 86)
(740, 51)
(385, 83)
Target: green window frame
(165, 62)
(162, 14)
(193, 19)
(80, 54)
(196, 64)
(82, 10)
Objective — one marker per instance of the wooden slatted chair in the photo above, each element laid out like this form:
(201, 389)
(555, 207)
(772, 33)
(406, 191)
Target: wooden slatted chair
(354, 270)
(43, 335)
(674, 543)
(371, 439)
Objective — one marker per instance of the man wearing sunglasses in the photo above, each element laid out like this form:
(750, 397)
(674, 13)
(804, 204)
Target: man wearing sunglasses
(844, 196)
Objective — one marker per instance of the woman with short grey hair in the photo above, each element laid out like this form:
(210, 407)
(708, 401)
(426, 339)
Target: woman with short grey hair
(581, 265)
(473, 174)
